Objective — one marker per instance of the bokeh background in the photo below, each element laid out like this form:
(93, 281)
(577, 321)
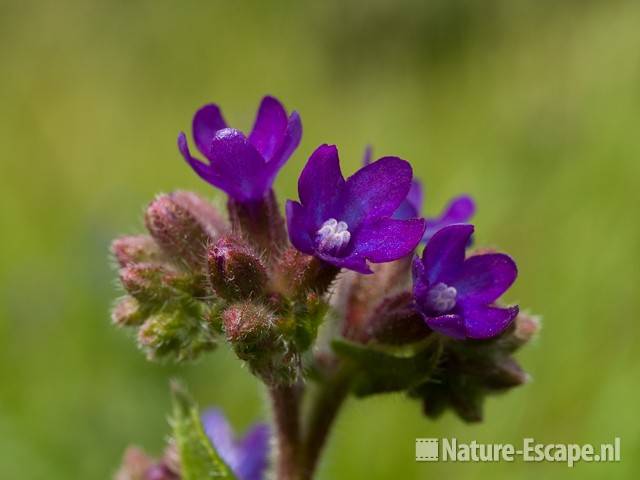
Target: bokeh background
(532, 106)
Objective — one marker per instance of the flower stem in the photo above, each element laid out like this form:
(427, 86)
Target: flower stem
(324, 411)
(285, 400)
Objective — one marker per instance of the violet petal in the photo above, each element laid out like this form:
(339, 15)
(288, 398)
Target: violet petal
(269, 128)
(388, 239)
(483, 278)
(485, 321)
(206, 122)
(450, 325)
(375, 191)
(445, 252)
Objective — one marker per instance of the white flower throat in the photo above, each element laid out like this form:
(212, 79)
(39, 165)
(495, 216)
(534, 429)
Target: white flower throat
(442, 297)
(332, 236)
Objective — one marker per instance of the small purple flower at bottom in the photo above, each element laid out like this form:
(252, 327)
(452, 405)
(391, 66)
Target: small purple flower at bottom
(460, 209)
(347, 223)
(456, 295)
(247, 457)
(243, 167)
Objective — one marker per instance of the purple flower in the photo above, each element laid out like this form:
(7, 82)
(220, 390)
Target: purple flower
(348, 223)
(459, 210)
(455, 296)
(244, 167)
(247, 457)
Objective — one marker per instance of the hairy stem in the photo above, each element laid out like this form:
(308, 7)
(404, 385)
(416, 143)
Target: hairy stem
(324, 411)
(285, 400)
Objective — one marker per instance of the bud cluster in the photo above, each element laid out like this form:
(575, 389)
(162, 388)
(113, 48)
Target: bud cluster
(163, 276)
(472, 370)
(196, 278)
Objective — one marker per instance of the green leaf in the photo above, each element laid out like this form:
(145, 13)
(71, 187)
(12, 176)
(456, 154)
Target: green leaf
(380, 371)
(198, 458)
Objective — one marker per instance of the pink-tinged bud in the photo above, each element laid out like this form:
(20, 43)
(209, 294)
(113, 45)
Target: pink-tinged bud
(137, 465)
(253, 332)
(155, 283)
(506, 373)
(135, 249)
(176, 227)
(298, 274)
(203, 211)
(395, 322)
(526, 328)
(127, 313)
(249, 327)
(260, 223)
(235, 271)
(134, 465)
(161, 334)
(364, 294)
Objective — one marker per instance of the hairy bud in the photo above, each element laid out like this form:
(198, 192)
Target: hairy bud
(235, 271)
(127, 313)
(135, 249)
(253, 333)
(154, 283)
(137, 465)
(471, 370)
(176, 225)
(395, 322)
(249, 328)
(298, 274)
(174, 333)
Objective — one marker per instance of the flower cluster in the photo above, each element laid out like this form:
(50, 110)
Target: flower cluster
(346, 259)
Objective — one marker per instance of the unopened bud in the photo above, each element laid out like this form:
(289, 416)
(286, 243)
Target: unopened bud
(249, 328)
(253, 332)
(396, 322)
(523, 329)
(160, 334)
(127, 313)
(506, 373)
(135, 249)
(134, 465)
(235, 271)
(149, 282)
(203, 211)
(178, 230)
(298, 274)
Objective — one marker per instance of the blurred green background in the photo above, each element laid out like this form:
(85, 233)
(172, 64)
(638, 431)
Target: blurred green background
(532, 106)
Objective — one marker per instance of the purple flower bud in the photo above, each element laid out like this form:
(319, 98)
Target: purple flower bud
(456, 296)
(243, 167)
(135, 249)
(178, 224)
(235, 271)
(347, 223)
(396, 322)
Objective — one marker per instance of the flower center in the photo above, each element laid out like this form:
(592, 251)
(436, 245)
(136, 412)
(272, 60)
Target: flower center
(442, 297)
(332, 236)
